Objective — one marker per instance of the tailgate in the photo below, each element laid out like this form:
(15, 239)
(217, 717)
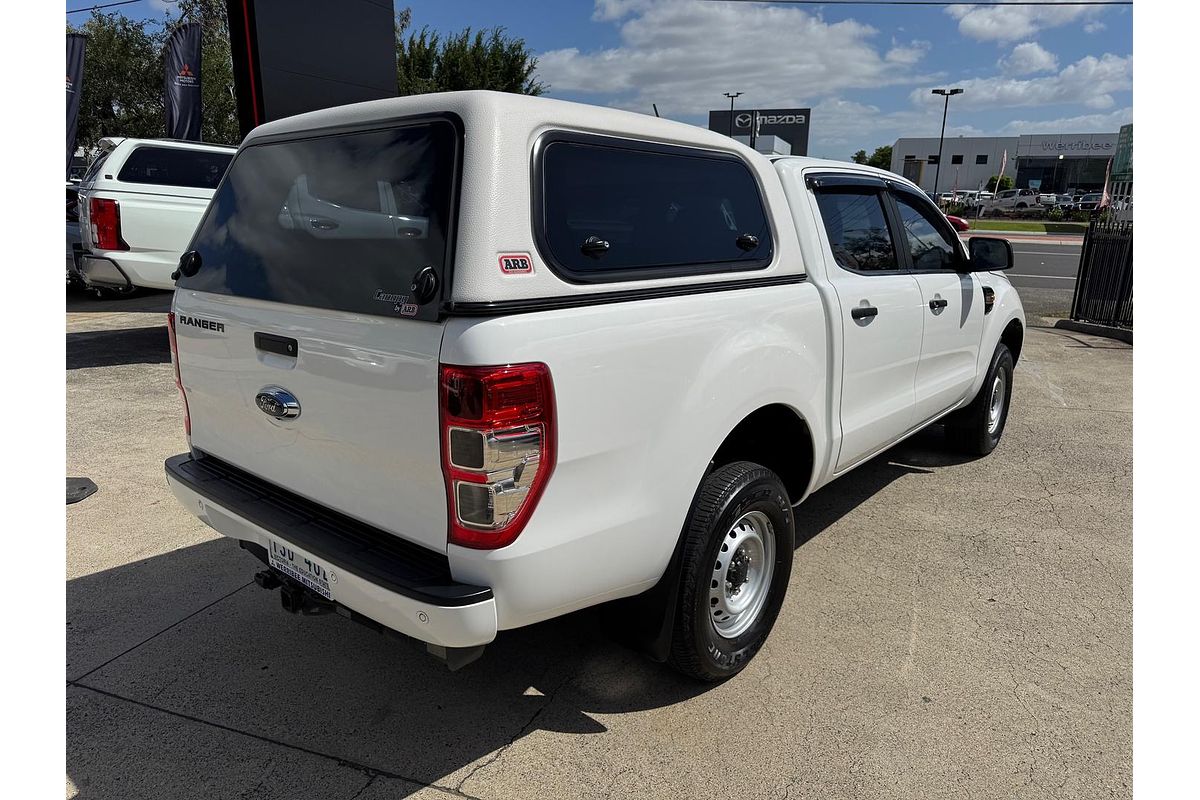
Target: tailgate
(306, 256)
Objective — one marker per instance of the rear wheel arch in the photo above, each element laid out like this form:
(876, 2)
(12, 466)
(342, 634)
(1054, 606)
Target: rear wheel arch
(776, 437)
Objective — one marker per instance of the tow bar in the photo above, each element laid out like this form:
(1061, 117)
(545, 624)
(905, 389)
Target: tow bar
(295, 599)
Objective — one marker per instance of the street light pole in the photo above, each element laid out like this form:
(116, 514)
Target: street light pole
(947, 93)
(731, 96)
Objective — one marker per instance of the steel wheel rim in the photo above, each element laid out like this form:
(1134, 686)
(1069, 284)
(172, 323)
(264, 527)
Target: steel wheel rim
(996, 406)
(742, 573)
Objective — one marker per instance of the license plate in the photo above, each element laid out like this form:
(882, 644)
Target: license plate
(299, 567)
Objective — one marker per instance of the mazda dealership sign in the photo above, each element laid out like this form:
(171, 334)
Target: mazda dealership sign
(790, 124)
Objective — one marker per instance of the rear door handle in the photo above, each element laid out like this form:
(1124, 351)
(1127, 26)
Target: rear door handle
(863, 312)
(934, 305)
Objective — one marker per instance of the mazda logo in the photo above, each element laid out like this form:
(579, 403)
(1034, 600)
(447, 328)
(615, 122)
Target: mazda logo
(742, 120)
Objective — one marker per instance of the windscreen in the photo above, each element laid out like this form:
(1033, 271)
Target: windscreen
(341, 222)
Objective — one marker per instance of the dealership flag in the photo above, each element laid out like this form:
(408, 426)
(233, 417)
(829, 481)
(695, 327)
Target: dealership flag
(74, 87)
(183, 82)
(1003, 164)
(1104, 197)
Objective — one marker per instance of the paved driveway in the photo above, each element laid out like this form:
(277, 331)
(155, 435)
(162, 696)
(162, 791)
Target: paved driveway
(953, 629)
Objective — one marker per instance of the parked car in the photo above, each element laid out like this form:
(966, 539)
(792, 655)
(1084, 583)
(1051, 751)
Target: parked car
(1089, 202)
(960, 224)
(138, 206)
(616, 384)
(1013, 199)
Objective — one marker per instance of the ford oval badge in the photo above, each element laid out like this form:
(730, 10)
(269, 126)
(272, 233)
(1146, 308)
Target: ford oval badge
(277, 402)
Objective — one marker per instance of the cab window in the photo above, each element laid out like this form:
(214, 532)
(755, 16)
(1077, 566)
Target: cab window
(857, 229)
(928, 244)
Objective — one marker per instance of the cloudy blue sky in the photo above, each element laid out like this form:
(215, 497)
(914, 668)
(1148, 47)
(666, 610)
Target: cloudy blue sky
(866, 71)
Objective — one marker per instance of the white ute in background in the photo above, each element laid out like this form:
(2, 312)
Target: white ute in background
(139, 204)
(453, 364)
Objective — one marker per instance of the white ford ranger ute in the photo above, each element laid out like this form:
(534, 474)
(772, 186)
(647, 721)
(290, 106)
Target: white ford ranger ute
(139, 204)
(457, 363)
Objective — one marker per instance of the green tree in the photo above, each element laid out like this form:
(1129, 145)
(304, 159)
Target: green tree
(484, 60)
(1005, 183)
(882, 157)
(122, 79)
(860, 157)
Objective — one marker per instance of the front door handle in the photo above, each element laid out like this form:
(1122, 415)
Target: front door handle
(934, 305)
(863, 312)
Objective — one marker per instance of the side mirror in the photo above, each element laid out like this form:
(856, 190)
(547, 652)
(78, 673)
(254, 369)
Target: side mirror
(988, 254)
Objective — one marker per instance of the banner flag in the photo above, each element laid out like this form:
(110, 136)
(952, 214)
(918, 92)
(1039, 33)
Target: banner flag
(1105, 198)
(75, 44)
(182, 59)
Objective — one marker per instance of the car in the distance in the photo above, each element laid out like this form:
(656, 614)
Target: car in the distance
(139, 204)
(960, 224)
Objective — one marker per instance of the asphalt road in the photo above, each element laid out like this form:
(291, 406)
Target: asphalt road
(953, 629)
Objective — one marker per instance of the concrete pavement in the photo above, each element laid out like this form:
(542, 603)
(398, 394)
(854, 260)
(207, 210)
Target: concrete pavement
(953, 628)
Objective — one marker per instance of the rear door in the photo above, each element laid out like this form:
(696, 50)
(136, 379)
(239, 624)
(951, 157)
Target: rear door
(880, 310)
(952, 305)
(307, 254)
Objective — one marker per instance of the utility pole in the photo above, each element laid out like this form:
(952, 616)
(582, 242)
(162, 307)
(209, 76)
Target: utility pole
(731, 96)
(947, 93)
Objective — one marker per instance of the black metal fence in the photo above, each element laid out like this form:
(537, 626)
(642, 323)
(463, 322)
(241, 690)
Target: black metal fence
(1104, 285)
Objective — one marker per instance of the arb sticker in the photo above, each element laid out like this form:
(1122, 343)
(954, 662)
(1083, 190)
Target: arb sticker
(515, 263)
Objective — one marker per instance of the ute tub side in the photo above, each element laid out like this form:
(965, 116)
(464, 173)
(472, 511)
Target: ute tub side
(637, 429)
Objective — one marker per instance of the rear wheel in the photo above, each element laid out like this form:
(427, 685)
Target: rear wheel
(976, 429)
(737, 560)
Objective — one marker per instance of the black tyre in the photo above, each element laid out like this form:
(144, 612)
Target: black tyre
(977, 428)
(737, 560)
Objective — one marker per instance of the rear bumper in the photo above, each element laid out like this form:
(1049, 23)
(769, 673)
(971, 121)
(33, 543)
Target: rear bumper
(400, 585)
(101, 272)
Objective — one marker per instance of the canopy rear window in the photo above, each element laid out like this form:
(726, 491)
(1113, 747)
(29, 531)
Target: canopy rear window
(175, 166)
(341, 222)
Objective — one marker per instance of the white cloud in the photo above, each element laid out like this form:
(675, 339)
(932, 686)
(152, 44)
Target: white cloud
(683, 55)
(1095, 26)
(907, 54)
(842, 126)
(1085, 123)
(1027, 58)
(1007, 23)
(1090, 81)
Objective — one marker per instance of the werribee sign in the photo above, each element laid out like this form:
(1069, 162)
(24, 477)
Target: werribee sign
(790, 124)
(1088, 144)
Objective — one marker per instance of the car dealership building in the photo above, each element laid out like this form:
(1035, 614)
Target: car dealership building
(1045, 162)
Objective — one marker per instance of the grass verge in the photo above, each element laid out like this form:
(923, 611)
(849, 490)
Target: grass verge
(1028, 226)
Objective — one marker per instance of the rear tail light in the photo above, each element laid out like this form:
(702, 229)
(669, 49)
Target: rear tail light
(497, 449)
(187, 416)
(104, 217)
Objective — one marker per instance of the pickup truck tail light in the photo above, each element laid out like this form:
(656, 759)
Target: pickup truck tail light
(104, 217)
(187, 416)
(498, 443)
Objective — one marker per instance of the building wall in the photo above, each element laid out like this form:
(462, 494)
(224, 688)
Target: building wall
(968, 175)
(1031, 158)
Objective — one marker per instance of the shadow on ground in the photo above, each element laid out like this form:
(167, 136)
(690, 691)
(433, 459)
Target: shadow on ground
(326, 688)
(112, 348)
(149, 301)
